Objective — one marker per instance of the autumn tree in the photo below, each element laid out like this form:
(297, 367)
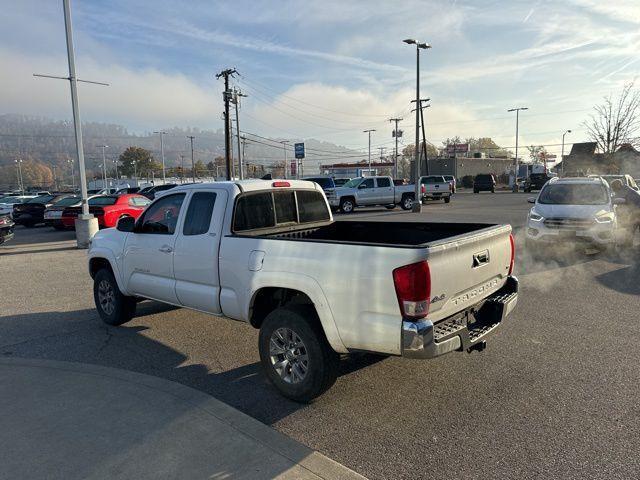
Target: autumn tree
(616, 121)
(137, 160)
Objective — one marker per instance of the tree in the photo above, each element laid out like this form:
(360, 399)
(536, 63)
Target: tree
(137, 160)
(200, 168)
(616, 121)
(538, 154)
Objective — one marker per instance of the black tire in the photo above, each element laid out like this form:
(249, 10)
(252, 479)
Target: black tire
(407, 202)
(122, 309)
(493, 190)
(323, 361)
(447, 199)
(390, 207)
(347, 205)
(476, 191)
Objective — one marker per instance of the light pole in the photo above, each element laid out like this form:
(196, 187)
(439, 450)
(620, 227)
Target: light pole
(284, 148)
(115, 163)
(193, 165)
(104, 165)
(562, 154)
(162, 134)
(20, 180)
(181, 169)
(369, 133)
(395, 135)
(517, 110)
(73, 175)
(236, 100)
(417, 204)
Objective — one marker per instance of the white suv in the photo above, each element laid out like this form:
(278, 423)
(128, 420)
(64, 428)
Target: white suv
(573, 209)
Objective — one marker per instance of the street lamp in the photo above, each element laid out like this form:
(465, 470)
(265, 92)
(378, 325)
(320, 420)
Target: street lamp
(417, 204)
(562, 154)
(517, 110)
(162, 134)
(73, 175)
(20, 180)
(104, 164)
(369, 132)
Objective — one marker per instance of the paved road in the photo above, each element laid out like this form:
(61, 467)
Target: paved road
(555, 395)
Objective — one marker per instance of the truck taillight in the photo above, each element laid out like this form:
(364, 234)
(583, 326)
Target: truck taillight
(413, 289)
(423, 189)
(513, 253)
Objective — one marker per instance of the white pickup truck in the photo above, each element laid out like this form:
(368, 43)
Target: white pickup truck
(269, 253)
(370, 191)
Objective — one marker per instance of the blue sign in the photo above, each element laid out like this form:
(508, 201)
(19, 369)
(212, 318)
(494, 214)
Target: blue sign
(299, 149)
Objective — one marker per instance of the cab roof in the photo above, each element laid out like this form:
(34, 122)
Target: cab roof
(586, 180)
(249, 185)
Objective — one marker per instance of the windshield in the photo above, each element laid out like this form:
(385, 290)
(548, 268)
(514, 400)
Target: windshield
(42, 199)
(574, 194)
(353, 183)
(12, 200)
(103, 201)
(324, 182)
(67, 202)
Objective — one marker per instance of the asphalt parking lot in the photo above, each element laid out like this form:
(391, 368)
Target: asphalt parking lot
(555, 394)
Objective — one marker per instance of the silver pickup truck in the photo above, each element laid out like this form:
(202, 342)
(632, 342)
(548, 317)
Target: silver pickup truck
(372, 191)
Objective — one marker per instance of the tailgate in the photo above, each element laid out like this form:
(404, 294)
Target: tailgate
(467, 268)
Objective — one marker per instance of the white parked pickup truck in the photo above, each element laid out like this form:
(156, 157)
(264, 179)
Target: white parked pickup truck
(269, 253)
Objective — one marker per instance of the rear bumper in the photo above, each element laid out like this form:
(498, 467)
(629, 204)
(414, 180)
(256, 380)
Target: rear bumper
(424, 339)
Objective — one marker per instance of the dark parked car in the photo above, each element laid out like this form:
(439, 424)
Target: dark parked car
(151, 193)
(31, 212)
(53, 213)
(124, 190)
(326, 183)
(484, 182)
(6, 228)
(536, 181)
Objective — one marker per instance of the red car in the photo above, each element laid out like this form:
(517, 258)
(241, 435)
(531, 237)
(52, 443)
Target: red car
(108, 209)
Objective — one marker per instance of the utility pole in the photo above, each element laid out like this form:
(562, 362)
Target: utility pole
(115, 163)
(226, 96)
(424, 136)
(244, 146)
(562, 154)
(54, 178)
(181, 169)
(236, 95)
(162, 134)
(86, 224)
(515, 179)
(193, 165)
(395, 158)
(382, 149)
(369, 133)
(284, 148)
(104, 166)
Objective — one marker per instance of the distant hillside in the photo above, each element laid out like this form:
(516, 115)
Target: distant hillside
(52, 142)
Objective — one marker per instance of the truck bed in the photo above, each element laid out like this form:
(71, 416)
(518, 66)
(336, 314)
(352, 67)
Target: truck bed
(397, 234)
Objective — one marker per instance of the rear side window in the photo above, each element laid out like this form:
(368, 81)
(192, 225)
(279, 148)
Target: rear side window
(383, 182)
(311, 206)
(103, 201)
(199, 213)
(254, 211)
(139, 201)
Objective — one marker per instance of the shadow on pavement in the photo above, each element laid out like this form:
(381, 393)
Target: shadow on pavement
(623, 280)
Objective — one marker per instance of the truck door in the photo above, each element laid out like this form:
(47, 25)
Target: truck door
(384, 190)
(148, 254)
(366, 192)
(195, 261)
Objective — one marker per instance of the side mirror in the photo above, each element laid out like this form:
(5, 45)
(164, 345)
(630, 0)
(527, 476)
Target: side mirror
(126, 224)
(619, 201)
(531, 200)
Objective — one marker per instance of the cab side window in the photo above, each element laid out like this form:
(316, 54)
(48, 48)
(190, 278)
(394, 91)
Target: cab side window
(199, 213)
(368, 183)
(383, 182)
(162, 216)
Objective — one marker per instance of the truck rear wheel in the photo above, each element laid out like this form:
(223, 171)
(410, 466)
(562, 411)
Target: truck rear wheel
(295, 354)
(407, 202)
(113, 307)
(447, 199)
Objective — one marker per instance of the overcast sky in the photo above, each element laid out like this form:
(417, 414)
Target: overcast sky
(326, 69)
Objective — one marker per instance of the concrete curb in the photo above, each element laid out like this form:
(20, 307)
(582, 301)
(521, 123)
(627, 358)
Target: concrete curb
(298, 454)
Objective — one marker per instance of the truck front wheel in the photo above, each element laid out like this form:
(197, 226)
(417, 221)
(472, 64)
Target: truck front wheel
(347, 205)
(113, 307)
(295, 354)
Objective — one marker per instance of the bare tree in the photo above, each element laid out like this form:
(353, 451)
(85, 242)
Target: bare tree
(616, 122)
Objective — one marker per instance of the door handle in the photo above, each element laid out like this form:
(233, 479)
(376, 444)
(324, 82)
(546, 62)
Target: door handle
(165, 249)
